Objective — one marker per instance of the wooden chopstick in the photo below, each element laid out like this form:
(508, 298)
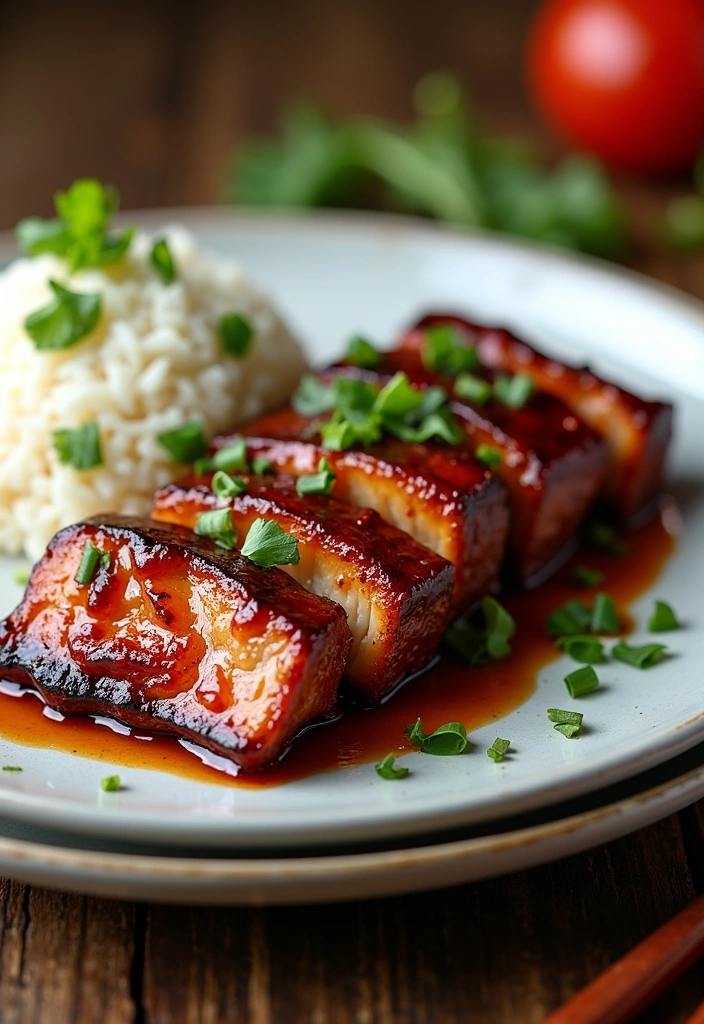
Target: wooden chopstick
(698, 1016)
(629, 985)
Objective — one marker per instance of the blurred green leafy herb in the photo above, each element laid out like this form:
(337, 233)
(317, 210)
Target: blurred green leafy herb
(443, 165)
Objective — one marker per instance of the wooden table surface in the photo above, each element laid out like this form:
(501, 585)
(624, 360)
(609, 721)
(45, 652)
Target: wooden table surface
(153, 101)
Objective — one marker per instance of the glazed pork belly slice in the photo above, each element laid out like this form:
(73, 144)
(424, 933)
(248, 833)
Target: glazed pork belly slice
(395, 592)
(552, 464)
(440, 496)
(178, 636)
(638, 432)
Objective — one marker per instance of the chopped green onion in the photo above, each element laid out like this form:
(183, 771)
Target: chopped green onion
(185, 443)
(468, 641)
(362, 353)
(66, 320)
(585, 649)
(92, 560)
(663, 618)
(321, 482)
(582, 681)
(387, 770)
(232, 458)
(639, 657)
(570, 619)
(22, 574)
(261, 466)
(447, 740)
(498, 749)
(605, 620)
(514, 392)
(268, 545)
(312, 397)
(11, 768)
(490, 456)
(587, 577)
(225, 486)
(236, 334)
(110, 784)
(500, 627)
(79, 448)
(337, 436)
(473, 389)
(445, 352)
(163, 261)
(569, 723)
(475, 645)
(218, 526)
(600, 534)
(415, 733)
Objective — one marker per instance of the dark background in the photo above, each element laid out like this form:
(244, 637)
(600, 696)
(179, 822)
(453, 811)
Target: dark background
(154, 96)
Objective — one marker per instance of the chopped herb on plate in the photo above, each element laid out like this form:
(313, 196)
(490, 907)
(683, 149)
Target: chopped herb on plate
(110, 784)
(218, 526)
(321, 482)
(587, 577)
(514, 392)
(569, 723)
(604, 620)
(387, 769)
(225, 486)
(473, 389)
(268, 545)
(92, 560)
(582, 681)
(489, 455)
(163, 262)
(236, 335)
(79, 448)
(585, 649)
(498, 749)
(66, 320)
(644, 656)
(186, 443)
(363, 354)
(447, 740)
(444, 351)
(663, 619)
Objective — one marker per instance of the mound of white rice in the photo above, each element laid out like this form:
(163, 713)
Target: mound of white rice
(153, 363)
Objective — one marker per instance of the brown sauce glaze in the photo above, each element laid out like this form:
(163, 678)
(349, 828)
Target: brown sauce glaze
(446, 692)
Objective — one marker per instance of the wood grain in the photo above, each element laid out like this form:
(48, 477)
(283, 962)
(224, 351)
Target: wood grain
(64, 958)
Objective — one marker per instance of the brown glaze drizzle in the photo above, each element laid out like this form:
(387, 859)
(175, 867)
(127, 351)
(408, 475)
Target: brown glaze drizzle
(446, 692)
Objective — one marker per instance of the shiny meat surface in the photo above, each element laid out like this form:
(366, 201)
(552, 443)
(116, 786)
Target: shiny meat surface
(638, 432)
(177, 635)
(395, 592)
(552, 464)
(440, 496)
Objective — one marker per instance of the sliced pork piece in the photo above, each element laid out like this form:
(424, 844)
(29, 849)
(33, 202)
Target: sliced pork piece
(552, 463)
(440, 496)
(395, 592)
(169, 632)
(638, 432)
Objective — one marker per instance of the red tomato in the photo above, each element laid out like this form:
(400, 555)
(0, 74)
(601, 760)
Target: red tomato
(622, 78)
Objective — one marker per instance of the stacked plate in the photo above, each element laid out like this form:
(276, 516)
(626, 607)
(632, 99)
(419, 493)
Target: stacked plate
(348, 834)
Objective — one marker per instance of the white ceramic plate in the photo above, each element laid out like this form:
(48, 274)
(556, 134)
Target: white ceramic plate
(105, 868)
(333, 275)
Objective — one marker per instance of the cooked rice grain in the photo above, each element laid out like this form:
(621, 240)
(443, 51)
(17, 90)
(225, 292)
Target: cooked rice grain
(153, 362)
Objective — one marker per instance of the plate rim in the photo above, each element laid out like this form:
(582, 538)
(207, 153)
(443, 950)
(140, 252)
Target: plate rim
(341, 876)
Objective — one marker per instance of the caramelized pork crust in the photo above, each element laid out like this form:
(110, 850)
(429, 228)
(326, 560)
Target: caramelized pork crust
(440, 496)
(395, 592)
(179, 636)
(638, 432)
(552, 463)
